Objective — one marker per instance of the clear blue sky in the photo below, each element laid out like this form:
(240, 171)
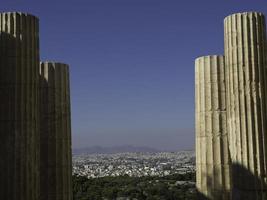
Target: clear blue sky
(132, 63)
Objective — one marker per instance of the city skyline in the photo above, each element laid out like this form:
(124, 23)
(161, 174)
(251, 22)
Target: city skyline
(132, 75)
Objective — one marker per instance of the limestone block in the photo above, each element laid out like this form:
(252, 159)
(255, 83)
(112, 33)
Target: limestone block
(246, 90)
(212, 155)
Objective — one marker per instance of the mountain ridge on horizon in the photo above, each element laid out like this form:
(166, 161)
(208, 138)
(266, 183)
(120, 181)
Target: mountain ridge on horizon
(118, 149)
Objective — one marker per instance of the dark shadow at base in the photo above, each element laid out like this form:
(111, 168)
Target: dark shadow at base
(201, 196)
(244, 186)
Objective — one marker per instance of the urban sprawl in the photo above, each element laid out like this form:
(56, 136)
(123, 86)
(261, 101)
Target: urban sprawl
(133, 164)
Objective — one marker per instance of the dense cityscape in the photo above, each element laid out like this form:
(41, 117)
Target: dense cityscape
(134, 164)
(125, 176)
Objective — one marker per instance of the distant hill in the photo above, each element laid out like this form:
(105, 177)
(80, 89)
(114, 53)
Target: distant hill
(115, 149)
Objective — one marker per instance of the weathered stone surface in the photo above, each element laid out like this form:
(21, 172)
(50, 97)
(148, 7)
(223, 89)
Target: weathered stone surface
(212, 155)
(56, 156)
(245, 54)
(19, 131)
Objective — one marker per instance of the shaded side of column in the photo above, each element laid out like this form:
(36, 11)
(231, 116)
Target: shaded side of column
(19, 131)
(212, 154)
(245, 54)
(56, 155)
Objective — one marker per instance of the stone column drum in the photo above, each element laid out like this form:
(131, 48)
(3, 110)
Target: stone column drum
(212, 154)
(245, 55)
(19, 131)
(56, 155)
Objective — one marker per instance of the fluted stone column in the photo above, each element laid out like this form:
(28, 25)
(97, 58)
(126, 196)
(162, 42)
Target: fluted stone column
(212, 155)
(19, 131)
(245, 53)
(56, 156)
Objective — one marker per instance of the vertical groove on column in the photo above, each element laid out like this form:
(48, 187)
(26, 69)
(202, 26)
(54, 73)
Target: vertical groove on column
(56, 156)
(212, 161)
(19, 132)
(245, 54)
